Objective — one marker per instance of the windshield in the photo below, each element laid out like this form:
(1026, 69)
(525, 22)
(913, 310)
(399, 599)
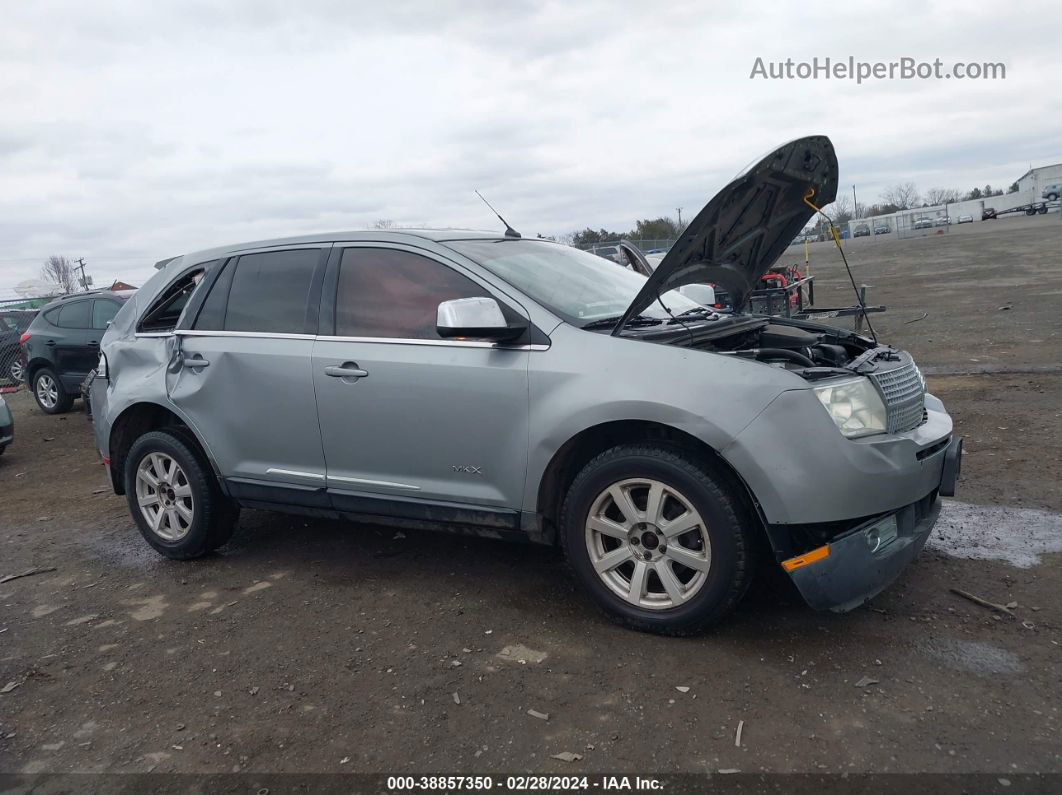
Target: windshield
(578, 286)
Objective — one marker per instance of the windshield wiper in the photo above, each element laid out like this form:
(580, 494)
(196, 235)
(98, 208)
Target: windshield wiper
(610, 322)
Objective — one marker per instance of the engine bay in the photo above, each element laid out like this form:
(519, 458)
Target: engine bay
(811, 350)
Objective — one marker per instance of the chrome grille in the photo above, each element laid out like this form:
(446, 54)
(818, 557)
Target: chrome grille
(904, 397)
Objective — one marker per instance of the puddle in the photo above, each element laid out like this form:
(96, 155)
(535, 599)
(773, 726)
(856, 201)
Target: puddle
(1018, 536)
(972, 656)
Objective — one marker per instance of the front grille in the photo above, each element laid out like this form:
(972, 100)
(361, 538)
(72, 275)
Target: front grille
(904, 397)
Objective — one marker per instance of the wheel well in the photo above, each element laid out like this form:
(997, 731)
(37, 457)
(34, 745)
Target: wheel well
(134, 422)
(33, 366)
(585, 445)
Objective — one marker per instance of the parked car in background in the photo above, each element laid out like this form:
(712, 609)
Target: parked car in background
(988, 214)
(965, 219)
(7, 426)
(608, 252)
(1052, 192)
(882, 229)
(13, 322)
(942, 221)
(521, 388)
(923, 223)
(62, 345)
(863, 230)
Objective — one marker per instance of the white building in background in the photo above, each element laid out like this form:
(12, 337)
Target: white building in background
(1036, 179)
(1030, 189)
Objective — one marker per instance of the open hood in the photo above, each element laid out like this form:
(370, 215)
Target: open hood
(740, 233)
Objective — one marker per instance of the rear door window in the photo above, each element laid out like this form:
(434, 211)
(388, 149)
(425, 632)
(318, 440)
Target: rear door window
(269, 292)
(393, 293)
(75, 315)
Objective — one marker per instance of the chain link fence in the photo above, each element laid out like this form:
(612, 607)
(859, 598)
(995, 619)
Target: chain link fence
(916, 223)
(13, 323)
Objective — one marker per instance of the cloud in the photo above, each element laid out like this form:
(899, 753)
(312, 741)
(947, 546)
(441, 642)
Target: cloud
(134, 131)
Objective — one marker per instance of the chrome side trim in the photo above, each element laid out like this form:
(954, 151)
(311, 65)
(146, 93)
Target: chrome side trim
(295, 473)
(327, 338)
(251, 334)
(365, 482)
(437, 343)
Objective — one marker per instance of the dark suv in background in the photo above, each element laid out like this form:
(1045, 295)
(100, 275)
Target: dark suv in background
(13, 322)
(62, 345)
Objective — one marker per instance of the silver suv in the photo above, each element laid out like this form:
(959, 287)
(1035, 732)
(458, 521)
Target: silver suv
(524, 389)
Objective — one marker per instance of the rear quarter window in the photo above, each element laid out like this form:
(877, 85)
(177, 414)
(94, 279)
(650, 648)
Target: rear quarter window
(76, 314)
(166, 310)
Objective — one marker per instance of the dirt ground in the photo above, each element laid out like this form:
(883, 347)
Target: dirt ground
(324, 646)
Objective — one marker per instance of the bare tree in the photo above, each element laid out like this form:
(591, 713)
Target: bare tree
(840, 211)
(935, 196)
(904, 195)
(59, 272)
(383, 223)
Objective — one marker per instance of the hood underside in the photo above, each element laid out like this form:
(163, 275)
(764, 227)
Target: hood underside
(743, 230)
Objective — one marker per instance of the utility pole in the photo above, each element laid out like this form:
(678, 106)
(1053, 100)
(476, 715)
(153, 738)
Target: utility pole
(679, 211)
(81, 267)
(855, 204)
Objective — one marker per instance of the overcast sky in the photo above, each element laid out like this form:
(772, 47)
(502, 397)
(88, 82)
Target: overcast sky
(134, 131)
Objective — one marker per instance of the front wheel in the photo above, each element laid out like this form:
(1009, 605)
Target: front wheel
(657, 539)
(174, 497)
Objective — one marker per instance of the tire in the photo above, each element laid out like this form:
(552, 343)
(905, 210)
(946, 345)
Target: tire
(719, 545)
(185, 515)
(49, 392)
(1052, 197)
(16, 372)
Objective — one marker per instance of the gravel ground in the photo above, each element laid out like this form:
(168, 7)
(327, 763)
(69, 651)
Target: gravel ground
(310, 645)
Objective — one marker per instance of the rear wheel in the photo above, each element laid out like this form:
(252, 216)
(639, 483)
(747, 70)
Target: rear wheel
(656, 539)
(49, 392)
(16, 371)
(174, 497)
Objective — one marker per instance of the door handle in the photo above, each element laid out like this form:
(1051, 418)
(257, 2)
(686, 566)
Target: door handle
(194, 361)
(348, 371)
(50, 343)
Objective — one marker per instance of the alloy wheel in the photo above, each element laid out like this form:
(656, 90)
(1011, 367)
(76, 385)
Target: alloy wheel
(17, 372)
(47, 391)
(648, 544)
(164, 496)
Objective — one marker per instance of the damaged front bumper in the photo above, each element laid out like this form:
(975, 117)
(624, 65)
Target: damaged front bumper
(860, 563)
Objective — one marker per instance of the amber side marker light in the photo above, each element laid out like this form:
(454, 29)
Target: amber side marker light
(800, 561)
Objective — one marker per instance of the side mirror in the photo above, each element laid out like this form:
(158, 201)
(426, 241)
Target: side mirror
(479, 317)
(703, 294)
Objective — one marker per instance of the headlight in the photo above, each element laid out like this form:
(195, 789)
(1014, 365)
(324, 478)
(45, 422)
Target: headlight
(101, 367)
(854, 405)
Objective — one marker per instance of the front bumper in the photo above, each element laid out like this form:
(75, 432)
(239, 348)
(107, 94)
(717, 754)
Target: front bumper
(860, 563)
(864, 561)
